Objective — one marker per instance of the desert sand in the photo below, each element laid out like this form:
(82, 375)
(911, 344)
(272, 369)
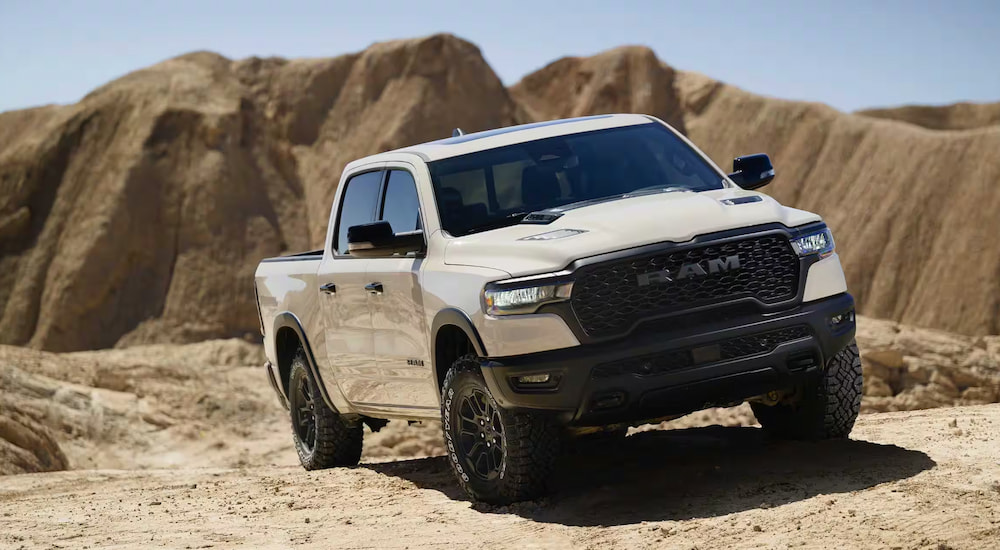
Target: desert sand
(185, 446)
(925, 479)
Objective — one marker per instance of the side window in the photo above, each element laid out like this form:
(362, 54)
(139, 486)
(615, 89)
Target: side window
(401, 208)
(358, 205)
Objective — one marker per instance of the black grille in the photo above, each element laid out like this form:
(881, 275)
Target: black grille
(673, 360)
(607, 298)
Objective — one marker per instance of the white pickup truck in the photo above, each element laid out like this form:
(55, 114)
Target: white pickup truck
(552, 279)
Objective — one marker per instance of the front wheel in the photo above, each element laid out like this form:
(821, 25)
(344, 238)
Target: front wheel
(499, 456)
(323, 438)
(825, 409)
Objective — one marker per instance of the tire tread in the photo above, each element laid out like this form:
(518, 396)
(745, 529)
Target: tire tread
(338, 442)
(827, 409)
(531, 439)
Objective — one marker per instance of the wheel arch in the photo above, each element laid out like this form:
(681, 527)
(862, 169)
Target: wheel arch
(288, 336)
(446, 343)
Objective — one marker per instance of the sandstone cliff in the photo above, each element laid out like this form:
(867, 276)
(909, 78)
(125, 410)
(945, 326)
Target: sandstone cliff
(138, 214)
(913, 210)
(960, 116)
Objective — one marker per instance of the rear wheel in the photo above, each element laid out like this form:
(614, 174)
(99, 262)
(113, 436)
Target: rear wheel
(499, 456)
(323, 438)
(825, 409)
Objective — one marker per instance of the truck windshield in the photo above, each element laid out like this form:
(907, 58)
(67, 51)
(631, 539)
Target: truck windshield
(498, 187)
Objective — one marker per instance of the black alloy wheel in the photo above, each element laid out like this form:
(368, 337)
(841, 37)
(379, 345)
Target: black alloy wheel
(322, 437)
(304, 414)
(481, 442)
(498, 455)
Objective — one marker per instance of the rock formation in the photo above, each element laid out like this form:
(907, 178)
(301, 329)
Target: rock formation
(139, 214)
(960, 116)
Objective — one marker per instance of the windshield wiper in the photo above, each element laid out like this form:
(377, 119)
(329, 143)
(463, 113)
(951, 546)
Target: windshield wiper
(636, 193)
(652, 189)
(510, 219)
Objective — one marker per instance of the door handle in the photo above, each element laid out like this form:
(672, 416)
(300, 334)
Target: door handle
(329, 288)
(374, 288)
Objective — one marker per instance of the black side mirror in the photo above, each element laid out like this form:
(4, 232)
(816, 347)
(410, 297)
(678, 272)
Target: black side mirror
(376, 240)
(752, 171)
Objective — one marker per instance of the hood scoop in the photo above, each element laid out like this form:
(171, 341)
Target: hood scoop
(741, 200)
(542, 217)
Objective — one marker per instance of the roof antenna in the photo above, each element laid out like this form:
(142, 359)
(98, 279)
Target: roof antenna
(457, 132)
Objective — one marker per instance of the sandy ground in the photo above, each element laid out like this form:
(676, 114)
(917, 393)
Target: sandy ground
(922, 479)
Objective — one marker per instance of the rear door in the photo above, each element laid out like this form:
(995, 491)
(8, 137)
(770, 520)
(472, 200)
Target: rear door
(397, 310)
(343, 300)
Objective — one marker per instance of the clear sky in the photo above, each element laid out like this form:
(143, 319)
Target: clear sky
(850, 54)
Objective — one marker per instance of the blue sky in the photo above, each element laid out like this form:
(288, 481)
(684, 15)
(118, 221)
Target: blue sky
(849, 54)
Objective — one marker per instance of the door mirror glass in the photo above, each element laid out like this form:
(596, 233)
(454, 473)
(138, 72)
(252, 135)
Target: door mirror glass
(376, 240)
(752, 171)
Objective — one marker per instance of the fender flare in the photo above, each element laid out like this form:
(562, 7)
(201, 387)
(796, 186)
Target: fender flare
(287, 319)
(458, 318)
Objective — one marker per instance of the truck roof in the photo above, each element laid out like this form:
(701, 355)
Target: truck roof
(491, 139)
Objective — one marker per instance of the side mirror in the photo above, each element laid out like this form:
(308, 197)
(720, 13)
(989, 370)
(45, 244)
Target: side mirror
(752, 171)
(376, 240)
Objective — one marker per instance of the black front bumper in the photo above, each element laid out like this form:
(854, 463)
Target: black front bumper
(676, 370)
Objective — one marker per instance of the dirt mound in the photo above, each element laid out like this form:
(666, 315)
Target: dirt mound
(960, 116)
(207, 404)
(25, 445)
(908, 368)
(157, 406)
(145, 407)
(164, 188)
(906, 204)
(623, 80)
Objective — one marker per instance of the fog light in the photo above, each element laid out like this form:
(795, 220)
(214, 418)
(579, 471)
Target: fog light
(846, 317)
(608, 401)
(541, 382)
(534, 379)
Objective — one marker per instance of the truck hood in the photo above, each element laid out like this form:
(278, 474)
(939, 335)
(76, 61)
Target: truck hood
(617, 225)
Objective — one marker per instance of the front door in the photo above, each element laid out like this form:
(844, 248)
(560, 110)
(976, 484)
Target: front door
(343, 299)
(397, 311)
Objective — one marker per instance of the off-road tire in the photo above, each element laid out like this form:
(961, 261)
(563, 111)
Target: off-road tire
(825, 409)
(529, 441)
(336, 441)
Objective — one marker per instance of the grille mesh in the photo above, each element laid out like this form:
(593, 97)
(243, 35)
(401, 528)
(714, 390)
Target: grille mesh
(673, 360)
(607, 298)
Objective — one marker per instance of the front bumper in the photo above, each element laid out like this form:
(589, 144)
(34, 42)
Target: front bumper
(678, 369)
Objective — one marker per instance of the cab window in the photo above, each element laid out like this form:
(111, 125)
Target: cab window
(358, 205)
(401, 207)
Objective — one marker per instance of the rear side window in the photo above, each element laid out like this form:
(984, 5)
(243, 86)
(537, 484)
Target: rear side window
(358, 206)
(401, 208)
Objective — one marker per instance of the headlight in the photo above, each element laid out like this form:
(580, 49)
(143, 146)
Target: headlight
(499, 300)
(820, 242)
